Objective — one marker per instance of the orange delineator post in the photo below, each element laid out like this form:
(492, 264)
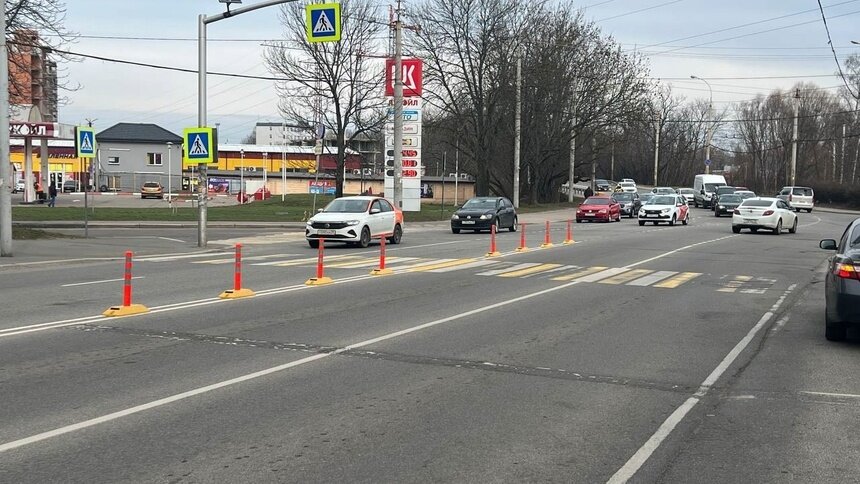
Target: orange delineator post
(320, 279)
(493, 252)
(522, 247)
(127, 307)
(237, 290)
(381, 270)
(569, 239)
(546, 240)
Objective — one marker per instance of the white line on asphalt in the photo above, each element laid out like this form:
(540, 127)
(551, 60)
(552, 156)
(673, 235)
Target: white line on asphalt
(676, 250)
(172, 240)
(837, 395)
(779, 324)
(98, 282)
(817, 221)
(60, 261)
(205, 389)
(644, 453)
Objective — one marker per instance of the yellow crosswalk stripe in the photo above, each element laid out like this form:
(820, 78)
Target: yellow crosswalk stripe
(369, 261)
(578, 274)
(530, 270)
(309, 260)
(450, 263)
(678, 280)
(626, 276)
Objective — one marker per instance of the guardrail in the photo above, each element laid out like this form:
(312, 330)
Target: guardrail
(578, 190)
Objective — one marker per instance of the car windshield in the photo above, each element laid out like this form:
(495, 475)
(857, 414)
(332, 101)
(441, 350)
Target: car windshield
(746, 195)
(730, 198)
(624, 197)
(147, 184)
(645, 197)
(596, 201)
(723, 190)
(628, 184)
(662, 201)
(686, 191)
(347, 205)
(480, 203)
(601, 182)
(710, 187)
(756, 203)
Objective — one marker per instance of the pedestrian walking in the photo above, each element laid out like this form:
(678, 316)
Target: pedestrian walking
(52, 194)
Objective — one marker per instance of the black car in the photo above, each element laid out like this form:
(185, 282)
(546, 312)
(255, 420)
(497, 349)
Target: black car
(842, 283)
(718, 192)
(630, 203)
(481, 213)
(727, 203)
(602, 185)
(70, 186)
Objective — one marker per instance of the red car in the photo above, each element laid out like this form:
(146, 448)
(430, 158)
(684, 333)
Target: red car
(606, 209)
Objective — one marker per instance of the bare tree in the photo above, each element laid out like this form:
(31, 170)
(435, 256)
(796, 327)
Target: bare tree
(341, 79)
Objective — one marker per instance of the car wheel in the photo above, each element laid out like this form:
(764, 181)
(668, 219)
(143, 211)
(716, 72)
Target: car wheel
(455, 231)
(514, 225)
(641, 223)
(579, 220)
(672, 222)
(397, 235)
(315, 244)
(833, 330)
(793, 229)
(686, 219)
(655, 223)
(717, 214)
(736, 230)
(808, 210)
(498, 224)
(778, 229)
(754, 230)
(364, 241)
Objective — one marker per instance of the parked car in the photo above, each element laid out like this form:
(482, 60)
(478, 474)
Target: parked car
(800, 198)
(70, 186)
(704, 186)
(355, 220)
(481, 213)
(718, 192)
(606, 209)
(20, 185)
(663, 191)
(842, 283)
(629, 203)
(727, 204)
(152, 190)
(665, 208)
(688, 194)
(764, 213)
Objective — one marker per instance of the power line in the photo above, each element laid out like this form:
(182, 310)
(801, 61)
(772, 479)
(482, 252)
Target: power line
(640, 10)
(835, 58)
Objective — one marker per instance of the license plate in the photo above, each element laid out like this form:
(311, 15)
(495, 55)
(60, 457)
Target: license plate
(750, 220)
(326, 231)
(589, 215)
(468, 222)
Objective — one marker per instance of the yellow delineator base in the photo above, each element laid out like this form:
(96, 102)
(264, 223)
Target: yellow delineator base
(546, 245)
(569, 241)
(522, 249)
(318, 281)
(125, 310)
(493, 254)
(381, 272)
(236, 293)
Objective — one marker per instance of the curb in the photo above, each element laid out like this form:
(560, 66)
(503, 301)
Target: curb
(836, 210)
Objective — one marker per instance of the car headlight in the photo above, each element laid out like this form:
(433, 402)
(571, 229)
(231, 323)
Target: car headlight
(666, 210)
(352, 222)
(602, 210)
(485, 216)
(722, 207)
(309, 223)
(455, 217)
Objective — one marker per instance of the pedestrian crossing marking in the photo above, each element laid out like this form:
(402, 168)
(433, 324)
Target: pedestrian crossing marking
(577, 275)
(372, 261)
(530, 270)
(298, 262)
(440, 265)
(652, 278)
(676, 281)
(496, 272)
(602, 274)
(626, 276)
(244, 259)
(747, 285)
(549, 271)
(470, 265)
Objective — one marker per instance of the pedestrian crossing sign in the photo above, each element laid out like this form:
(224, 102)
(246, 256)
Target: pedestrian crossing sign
(85, 142)
(200, 146)
(322, 22)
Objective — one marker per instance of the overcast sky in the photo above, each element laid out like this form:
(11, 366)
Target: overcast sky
(679, 37)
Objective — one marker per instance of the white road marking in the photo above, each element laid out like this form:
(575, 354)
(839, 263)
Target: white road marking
(651, 278)
(172, 240)
(97, 282)
(470, 265)
(60, 261)
(836, 395)
(169, 258)
(517, 267)
(602, 274)
(629, 469)
(233, 381)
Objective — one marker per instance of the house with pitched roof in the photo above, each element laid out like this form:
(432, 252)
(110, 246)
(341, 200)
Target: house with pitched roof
(130, 154)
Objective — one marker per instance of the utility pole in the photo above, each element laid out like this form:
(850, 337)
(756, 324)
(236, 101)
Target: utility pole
(517, 127)
(594, 163)
(612, 161)
(793, 172)
(398, 109)
(456, 171)
(842, 161)
(6, 181)
(656, 149)
(572, 168)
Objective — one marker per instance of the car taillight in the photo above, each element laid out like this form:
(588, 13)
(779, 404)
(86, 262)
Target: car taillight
(736, 212)
(767, 212)
(847, 271)
(790, 198)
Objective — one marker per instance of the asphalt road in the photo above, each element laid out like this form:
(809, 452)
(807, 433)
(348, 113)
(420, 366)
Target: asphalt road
(656, 354)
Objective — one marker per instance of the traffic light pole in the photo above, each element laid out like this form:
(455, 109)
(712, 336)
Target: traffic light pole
(6, 181)
(398, 110)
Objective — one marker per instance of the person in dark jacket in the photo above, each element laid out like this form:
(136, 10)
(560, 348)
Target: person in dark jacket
(52, 194)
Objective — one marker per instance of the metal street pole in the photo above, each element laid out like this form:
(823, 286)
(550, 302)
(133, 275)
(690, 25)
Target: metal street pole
(284, 161)
(517, 127)
(202, 21)
(6, 181)
(457, 171)
(656, 149)
(242, 176)
(571, 176)
(169, 171)
(709, 125)
(793, 172)
(398, 110)
(842, 161)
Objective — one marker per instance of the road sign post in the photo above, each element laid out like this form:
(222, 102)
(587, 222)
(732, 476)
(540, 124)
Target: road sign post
(85, 149)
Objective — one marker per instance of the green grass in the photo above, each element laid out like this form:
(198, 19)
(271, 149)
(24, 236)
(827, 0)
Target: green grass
(26, 233)
(294, 209)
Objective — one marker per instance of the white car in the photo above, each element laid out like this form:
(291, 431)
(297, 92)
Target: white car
(665, 208)
(800, 198)
(626, 187)
(688, 194)
(628, 180)
(19, 186)
(764, 213)
(355, 220)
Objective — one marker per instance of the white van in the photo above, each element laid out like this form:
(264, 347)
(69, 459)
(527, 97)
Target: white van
(800, 198)
(704, 185)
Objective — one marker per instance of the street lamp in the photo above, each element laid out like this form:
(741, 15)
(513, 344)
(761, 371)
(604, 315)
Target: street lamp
(710, 121)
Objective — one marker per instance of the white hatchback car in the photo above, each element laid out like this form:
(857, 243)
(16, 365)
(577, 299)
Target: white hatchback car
(665, 208)
(355, 220)
(626, 187)
(764, 213)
